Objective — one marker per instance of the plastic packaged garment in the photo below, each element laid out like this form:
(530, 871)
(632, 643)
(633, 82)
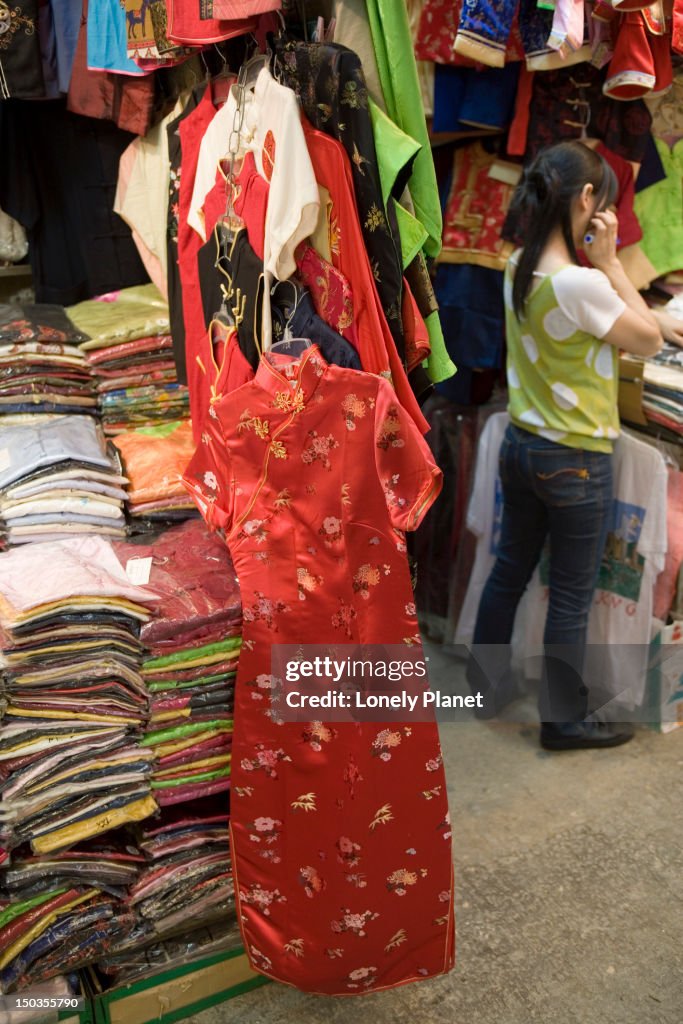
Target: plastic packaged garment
(46, 573)
(69, 934)
(154, 460)
(38, 322)
(138, 312)
(161, 956)
(193, 574)
(58, 988)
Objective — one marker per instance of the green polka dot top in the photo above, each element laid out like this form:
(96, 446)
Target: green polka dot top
(562, 377)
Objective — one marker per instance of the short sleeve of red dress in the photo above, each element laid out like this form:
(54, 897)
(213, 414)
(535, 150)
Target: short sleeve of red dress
(208, 478)
(410, 478)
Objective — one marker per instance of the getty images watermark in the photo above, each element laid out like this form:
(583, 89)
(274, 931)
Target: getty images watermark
(348, 682)
(391, 683)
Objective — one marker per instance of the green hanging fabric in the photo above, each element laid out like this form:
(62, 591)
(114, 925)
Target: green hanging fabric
(393, 45)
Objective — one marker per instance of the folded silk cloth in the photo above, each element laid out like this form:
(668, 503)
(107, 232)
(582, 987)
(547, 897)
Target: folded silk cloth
(138, 312)
(154, 461)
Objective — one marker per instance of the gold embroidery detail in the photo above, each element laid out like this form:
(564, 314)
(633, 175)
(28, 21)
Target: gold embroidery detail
(375, 218)
(283, 500)
(286, 401)
(248, 422)
(11, 22)
(305, 802)
(382, 816)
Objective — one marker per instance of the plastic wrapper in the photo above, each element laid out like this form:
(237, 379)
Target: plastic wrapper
(194, 576)
(165, 955)
(38, 322)
(155, 458)
(138, 312)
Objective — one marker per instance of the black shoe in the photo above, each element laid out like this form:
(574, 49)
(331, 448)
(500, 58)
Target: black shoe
(583, 735)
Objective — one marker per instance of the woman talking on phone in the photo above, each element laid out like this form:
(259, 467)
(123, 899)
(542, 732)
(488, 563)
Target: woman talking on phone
(565, 324)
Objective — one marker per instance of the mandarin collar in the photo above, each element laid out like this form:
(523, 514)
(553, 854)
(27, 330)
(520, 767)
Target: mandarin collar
(290, 382)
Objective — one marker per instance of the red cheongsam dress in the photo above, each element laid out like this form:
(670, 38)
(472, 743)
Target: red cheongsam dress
(341, 841)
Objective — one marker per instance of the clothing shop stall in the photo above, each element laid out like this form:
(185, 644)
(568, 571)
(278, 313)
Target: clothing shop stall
(500, 83)
(217, 323)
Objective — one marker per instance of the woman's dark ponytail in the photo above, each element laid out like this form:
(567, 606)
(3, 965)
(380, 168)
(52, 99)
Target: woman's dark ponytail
(543, 201)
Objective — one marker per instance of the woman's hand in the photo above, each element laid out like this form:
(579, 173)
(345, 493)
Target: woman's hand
(601, 251)
(670, 326)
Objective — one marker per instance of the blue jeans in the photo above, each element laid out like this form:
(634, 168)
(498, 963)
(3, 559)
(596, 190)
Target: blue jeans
(562, 494)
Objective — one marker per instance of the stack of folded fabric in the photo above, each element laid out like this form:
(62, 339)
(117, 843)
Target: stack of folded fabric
(42, 369)
(154, 460)
(192, 698)
(57, 478)
(184, 893)
(188, 881)
(57, 931)
(137, 384)
(130, 352)
(107, 862)
(191, 649)
(73, 763)
(41, 899)
(121, 968)
(663, 389)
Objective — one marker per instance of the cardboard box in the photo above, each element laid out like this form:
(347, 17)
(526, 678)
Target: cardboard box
(631, 373)
(179, 992)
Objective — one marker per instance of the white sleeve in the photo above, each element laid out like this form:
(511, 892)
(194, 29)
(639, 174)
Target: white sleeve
(282, 158)
(214, 146)
(588, 299)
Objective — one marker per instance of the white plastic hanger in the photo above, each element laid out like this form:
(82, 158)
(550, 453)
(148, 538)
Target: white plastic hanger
(293, 347)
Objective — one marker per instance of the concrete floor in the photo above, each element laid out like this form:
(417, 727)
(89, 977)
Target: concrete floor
(569, 898)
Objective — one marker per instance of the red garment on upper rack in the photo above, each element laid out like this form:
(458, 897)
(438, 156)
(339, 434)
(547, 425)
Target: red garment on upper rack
(340, 834)
(250, 202)
(376, 346)
(192, 129)
(203, 368)
(228, 9)
(224, 366)
(677, 27)
(126, 100)
(186, 26)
